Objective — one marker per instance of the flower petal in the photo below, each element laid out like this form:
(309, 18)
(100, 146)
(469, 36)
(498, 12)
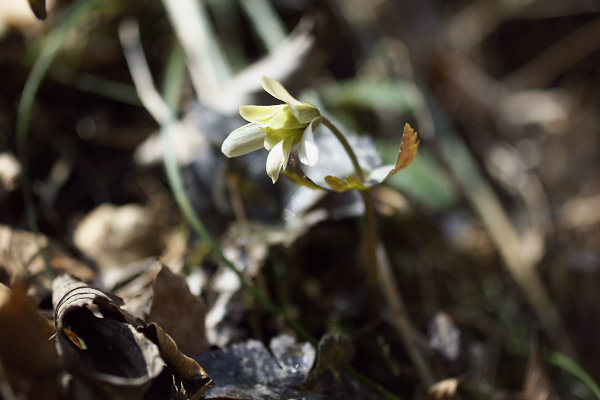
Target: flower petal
(278, 158)
(275, 161)
(243, 140)
(303, 112)
(270, 141)
(277, 90)
(287, 150)
(285, 119)
(260, 113)
(308, 152)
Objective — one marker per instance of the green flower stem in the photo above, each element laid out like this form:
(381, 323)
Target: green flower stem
(340, 136)
(370, 238)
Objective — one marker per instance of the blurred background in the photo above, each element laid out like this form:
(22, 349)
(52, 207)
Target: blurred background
(492, 233)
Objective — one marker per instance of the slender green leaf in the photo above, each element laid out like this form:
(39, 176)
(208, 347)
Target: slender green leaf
(562, 361)
(49, 52)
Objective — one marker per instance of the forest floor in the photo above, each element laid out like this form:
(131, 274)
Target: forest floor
(137, 261)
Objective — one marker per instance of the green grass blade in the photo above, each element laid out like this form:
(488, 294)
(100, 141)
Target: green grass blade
(266, 22)
(562, 361)
(49, 52)
(207, 64)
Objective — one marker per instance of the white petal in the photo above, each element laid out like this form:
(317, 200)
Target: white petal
(243, 140)
(275, 161)
(278, 158)
(287, 150)
(277, 90)
(308, 152)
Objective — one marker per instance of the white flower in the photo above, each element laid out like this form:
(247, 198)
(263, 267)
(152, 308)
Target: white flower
(278, 129)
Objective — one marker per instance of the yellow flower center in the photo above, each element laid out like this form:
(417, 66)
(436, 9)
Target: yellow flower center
(283, 125)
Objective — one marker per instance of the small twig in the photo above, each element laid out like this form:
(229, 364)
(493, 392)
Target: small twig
(556, 59)
(503, 233)
(399, 319)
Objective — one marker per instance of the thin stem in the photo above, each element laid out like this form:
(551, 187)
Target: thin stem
(370, 219)
(340, 136)
(380, 277)
(370, 240)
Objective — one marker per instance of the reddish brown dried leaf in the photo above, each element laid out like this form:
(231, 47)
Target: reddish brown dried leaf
(178, 312)
(195, 380)
(408, 149)
(27, 356)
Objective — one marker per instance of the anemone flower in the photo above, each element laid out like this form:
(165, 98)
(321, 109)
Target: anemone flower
(278, 129)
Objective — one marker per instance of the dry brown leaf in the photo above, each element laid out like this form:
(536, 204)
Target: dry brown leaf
(21, 260)
(408, 149)
(178, 312)
(27, 356)
(114, 236)
(107, 357)
(195, 380)
(70, 293)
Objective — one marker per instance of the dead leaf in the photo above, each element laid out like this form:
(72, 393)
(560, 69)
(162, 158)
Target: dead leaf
(114, 236)
(193, 377)
(27, 357)
(178, 312)
(21, 260)
(69, 293)
(408, 149)
(110, 359)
